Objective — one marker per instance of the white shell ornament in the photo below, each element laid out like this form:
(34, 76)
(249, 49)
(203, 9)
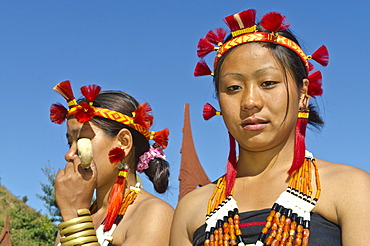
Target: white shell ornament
(85, 152)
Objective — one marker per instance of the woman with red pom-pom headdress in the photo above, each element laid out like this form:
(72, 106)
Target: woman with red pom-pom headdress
(274, 192)
(109, 141)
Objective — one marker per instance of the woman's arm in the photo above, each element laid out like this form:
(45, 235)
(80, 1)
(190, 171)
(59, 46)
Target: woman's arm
(353, 206)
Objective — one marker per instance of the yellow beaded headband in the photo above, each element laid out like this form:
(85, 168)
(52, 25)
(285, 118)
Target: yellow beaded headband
(141, 120)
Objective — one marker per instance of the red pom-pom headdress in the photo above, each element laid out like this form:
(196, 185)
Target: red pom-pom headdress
(141, 120)
(244, 30)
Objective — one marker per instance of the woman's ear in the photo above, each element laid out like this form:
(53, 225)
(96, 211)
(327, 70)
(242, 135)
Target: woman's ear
(304, 99)
(125, 141)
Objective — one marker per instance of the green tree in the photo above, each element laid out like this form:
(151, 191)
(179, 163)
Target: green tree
(49, 195)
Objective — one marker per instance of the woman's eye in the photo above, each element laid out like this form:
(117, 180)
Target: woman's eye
(233, 88)
(269, 84)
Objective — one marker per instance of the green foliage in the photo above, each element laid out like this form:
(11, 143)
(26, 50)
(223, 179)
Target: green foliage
(28, 227)
(49, 195)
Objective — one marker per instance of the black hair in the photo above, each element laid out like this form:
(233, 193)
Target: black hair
(158, 171)
(288, 60)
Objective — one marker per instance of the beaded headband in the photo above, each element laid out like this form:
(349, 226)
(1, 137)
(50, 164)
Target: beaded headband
(244, 30)
(141, 119)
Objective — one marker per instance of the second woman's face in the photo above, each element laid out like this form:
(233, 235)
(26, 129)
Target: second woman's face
(259, 103)
(101, 145)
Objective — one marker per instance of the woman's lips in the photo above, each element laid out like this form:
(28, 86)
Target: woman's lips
(254, 124)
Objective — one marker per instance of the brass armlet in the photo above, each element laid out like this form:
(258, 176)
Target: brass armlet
(74, 221)
(81, 240)
(86, 233)
(77, 228)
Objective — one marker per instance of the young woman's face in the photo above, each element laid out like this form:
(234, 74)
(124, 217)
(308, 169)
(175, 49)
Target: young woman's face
(101, 144)
(259, 103)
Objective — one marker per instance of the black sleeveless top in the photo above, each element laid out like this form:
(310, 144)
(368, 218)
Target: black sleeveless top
(322, 231)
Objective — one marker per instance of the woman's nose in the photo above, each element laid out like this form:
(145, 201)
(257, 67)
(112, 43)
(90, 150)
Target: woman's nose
(251, 99)
(71, 154)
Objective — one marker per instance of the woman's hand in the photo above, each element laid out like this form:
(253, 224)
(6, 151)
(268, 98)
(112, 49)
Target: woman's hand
(74, 188)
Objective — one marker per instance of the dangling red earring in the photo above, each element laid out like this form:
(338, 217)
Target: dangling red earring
(231, 168)
(300, 139)
(116, 157)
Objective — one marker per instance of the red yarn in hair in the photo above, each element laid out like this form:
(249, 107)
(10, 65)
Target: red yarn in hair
(161, 137)
(217, 36)
(248, 18)
(202, 69)
(321, 55)
(84, 112)
(90, 92)
(142, 115)
(273, 21)
(64, 88)
(300, 143)
(58, 113)
(315, 85)
(204, 47)
(208, 111)
(231, 166)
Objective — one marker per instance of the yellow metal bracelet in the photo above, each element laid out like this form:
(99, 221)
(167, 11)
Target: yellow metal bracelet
(81, 240)
(74, 221)
(86, 233)
(77, 228)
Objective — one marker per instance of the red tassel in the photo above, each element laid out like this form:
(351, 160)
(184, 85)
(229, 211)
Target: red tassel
(64, 88)
(90, 92)
(204, 47)
(231, 23)
(248, 18)
(315, 85)
(231, 166)
(209, 111)
(116, 155)
(300, 144)
(217, 36)
(310, 66)
(58, 113)
(161, 137)
(273, 21)
(115, 201)
(142, 115)
(84, 112)
(321, 56)
(202, 69)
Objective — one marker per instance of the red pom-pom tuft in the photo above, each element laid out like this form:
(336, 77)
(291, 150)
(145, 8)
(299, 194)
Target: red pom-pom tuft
(64, 88)
(231, 23)
(143, 116)
(208, 111)
(315, 85)
(248, 18)
(310, 66)
(115, 201)
(58, 113)
(90, 92)
(202, 69)
(116, 155)
(273, 21)
(217, 36)
(321, 56)
(204, 47)
(84, 112)
(161, 137)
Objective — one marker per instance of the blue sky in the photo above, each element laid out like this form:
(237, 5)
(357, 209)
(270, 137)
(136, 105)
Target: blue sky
(148, 49)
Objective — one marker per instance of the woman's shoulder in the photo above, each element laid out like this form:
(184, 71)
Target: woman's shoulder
(150, 204)
(343, 172)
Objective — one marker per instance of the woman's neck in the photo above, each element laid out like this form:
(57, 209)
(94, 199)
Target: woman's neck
(253, 163)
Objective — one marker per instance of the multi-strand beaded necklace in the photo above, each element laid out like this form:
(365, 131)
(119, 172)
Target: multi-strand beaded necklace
(288, 223)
